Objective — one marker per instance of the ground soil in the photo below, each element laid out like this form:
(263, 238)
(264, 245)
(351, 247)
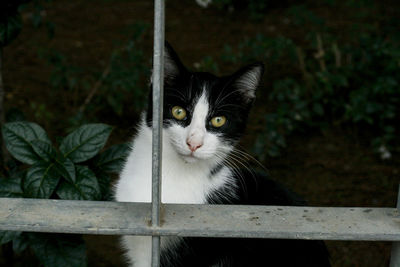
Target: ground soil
(330, 168)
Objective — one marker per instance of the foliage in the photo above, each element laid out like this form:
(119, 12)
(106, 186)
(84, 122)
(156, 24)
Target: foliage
(207, 63)
(356, 83)
(10, 19)
(262, 48)
(75, 170)
(256, 8)
(127, 69)
(119, 83)
(10, 27)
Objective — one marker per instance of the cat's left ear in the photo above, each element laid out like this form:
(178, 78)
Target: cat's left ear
(247, 79)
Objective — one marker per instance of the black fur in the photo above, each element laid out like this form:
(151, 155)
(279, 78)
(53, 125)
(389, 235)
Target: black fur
(183, 88)
(238, 252)
(227, 97)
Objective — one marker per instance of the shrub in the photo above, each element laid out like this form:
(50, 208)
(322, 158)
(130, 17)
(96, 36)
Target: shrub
(356, 84)
(76, 170)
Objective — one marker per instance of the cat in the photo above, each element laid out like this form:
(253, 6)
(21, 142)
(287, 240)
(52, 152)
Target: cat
(204, 119)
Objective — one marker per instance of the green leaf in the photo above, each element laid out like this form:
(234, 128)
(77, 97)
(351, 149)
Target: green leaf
(318, 109)
(10, 187)
(18, 137)
(85, 187)
(8, 236)
(104, 182)
(112, 159)
(41, 180)
(50, 29)
(9, 29)
(44, 150)
(20, 243)
(59, 250)
(66, 168)
(85, 142)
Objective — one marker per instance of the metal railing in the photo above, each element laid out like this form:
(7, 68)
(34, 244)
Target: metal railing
(158, 88)
(112, 218)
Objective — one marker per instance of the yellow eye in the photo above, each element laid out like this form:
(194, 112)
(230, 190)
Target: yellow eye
(218, 121)
(178, 112)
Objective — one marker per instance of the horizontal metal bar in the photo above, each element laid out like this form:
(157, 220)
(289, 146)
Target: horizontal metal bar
(395, 255)
(116, 218)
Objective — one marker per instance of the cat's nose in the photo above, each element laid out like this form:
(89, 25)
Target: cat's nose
(193, 146)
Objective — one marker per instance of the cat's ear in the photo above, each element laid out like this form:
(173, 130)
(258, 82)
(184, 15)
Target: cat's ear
(173, 66)
(247, 79)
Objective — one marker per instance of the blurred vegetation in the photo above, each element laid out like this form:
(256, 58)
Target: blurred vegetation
(357, 85)
(255, 8)
(76, 169)
(122, 82)
(327, 79)
(10, 28)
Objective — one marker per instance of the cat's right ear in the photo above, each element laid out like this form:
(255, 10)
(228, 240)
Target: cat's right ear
(173, 66)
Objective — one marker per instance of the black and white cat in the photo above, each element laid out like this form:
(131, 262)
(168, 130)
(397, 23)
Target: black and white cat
(204, 118)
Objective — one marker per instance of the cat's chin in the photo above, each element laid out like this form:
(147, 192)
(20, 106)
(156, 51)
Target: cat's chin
(190, 158)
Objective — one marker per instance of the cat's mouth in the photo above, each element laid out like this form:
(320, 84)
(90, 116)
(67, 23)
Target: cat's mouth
(189, 157)
(192, 157)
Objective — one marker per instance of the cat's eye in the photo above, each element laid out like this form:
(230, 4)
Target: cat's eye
(218, 121)
(178, 112)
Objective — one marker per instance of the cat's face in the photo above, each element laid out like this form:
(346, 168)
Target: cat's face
(205, 115)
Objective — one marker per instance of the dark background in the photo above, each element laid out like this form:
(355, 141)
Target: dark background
(326, 118)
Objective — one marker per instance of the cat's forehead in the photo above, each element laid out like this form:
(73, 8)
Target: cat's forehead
(198, 84)
(202, 81)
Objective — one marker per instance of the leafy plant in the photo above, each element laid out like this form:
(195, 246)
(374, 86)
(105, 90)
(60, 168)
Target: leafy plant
(261, 47)
(10, 27)
(256, 8)
(355, 84)
(10, 21)
(127, 69)
(118, 85)
(76, 170)
(207, 63)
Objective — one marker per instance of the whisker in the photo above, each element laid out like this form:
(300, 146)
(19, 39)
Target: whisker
(247, 167)
(250, 157)
(233, 164)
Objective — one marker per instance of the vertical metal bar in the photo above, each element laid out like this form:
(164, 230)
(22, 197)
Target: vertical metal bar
(158, 80)
(4, 157)
(395, 256)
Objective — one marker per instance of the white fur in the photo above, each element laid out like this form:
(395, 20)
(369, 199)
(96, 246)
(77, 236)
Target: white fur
(185, 174)
(249, 81)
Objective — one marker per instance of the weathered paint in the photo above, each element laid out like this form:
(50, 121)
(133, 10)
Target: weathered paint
(113, 218)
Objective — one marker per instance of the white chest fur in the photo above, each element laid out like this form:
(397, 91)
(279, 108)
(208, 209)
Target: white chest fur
(182, 182)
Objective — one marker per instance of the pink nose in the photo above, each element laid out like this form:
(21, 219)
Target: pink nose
(193, 146)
